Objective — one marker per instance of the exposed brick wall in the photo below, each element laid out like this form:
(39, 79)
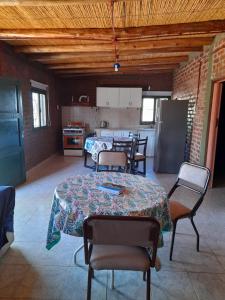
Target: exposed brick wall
(218, 68)
(190, 82)
(87, 85)
(39, 144)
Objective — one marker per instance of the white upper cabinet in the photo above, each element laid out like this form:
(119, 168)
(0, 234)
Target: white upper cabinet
(107, 97)
(125, 100)
(130, 97)
(135, 97)
(119, 97)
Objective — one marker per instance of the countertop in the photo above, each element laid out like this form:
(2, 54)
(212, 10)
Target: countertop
(130, 129)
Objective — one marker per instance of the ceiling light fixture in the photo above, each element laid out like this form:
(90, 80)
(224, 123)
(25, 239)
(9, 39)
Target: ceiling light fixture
(116, 65)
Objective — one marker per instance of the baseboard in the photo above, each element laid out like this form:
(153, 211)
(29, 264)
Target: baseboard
(30, 171)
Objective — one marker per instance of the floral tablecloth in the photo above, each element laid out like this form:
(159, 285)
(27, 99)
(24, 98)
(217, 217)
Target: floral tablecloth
(78, 197)
(94, 145)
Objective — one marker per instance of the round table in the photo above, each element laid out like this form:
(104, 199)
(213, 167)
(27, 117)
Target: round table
(78, 197)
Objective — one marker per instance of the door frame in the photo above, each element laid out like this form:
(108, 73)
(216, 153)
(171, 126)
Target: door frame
(213, 126)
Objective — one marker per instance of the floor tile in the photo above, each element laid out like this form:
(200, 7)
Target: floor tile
(208, 286)
(29, 271)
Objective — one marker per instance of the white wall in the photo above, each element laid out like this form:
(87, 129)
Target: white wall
(117, 117)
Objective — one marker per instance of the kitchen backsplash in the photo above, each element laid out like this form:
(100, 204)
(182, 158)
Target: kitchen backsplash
(117, 117)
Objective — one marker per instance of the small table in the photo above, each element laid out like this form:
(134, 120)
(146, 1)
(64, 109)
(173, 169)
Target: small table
(78, 197)
(94, 145)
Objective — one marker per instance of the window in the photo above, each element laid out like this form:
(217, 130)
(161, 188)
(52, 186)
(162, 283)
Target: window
(148, 109)
(39, 102)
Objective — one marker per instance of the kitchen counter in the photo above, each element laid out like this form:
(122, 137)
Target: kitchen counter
(130, 129)
(124, 132)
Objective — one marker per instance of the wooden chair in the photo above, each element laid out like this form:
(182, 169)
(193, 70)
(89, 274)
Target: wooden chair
(113, 161)
(86, 153)
(120, 243)
(125, 146)
(139, 156)
(195, 178)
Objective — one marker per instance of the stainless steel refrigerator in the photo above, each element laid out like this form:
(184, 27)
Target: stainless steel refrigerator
(171, 130)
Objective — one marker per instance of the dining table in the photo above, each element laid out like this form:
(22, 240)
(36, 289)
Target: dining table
(94, 145)
(79, 196)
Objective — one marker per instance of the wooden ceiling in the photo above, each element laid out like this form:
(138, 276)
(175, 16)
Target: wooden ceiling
(86, 37)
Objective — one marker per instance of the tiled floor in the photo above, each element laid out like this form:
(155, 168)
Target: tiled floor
(29, 271)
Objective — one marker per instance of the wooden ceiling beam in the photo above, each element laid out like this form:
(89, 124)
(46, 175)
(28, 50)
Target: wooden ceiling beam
(141, 45)
(51, 2)
(137, 62)
(125, 68)
(35, 34)
(137, 72)
(110, 58)
(206, 27)
(48, 57)
(78, 75)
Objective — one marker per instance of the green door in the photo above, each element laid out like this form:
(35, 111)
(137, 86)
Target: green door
(12, 167)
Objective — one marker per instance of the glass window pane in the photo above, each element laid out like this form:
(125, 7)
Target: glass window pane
(148, 110)
(36, 112)
(43, 109)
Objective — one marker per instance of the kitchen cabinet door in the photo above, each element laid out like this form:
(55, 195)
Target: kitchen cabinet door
(124, 97)
(130, 97)
(151, 141)
(102, 97)
(107, 97)
(113, 96)
(135, 97)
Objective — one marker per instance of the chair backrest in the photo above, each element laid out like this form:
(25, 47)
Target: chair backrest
(141, 145)
(125, 146)
(195, 178)
(122, 230)
(117, 161)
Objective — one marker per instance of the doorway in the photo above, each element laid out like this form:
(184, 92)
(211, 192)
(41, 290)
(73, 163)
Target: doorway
(215, 160)
(12, 166)
(219, 165)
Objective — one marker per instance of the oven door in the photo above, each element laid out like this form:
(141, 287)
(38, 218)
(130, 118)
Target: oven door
(73, 142)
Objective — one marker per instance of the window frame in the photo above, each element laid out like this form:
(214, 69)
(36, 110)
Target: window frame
(40, 92)
(154, 109)
(149, 122)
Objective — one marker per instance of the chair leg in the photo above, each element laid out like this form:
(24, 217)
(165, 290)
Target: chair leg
(85, 158)
(90, 274)
(173, 236)
(196, 231)
(144, 166)
(113, 279)
(144, 275)
(76, 252)
(148, 283)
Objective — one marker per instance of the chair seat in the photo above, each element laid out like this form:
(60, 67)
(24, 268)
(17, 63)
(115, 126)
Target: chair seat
(178, 210)
(139, 156)
(113, 257)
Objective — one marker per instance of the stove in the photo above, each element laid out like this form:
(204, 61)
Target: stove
(73, 141)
